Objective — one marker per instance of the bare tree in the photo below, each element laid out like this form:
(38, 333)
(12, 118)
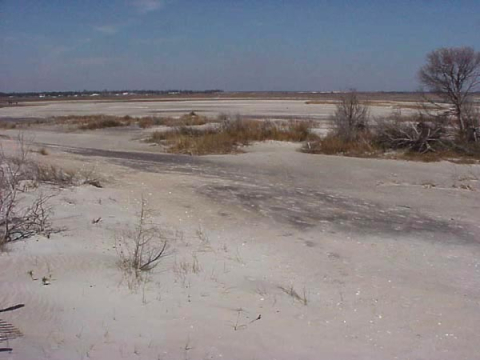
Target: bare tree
(351, 116)
(453, 74)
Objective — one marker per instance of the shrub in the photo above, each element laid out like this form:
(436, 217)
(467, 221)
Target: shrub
(351, 116)
(17, 220)
(141, 249)
(416, 137)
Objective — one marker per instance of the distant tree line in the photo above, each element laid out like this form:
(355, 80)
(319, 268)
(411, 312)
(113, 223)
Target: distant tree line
(106, 93)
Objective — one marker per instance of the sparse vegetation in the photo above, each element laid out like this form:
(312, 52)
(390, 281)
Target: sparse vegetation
(20, 219)
(423, 136)
(25, 209)
(350, 119)
(420, 137)
(295, 295)
(333, 144)
(93, 122)
(21, 124)
(437, 132)
(141, 249)
(102, 124)
(55, 175)
(228, 136)
(191, 119)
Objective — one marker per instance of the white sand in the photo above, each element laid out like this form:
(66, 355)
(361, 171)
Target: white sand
(328, 226)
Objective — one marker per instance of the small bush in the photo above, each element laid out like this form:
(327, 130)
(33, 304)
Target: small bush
(351, 117)
(141, 249)
(20, 218)
(54, 175)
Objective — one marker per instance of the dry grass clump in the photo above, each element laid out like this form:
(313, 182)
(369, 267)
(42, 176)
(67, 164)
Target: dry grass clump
(7, 125)
(54, 175)
(43, 151)
(228, 136)
(94, 122)
(191, 119)
(147, 122)
(333, 144)
(101, 124)
(247, 131)
(21, 123)
(207, 143)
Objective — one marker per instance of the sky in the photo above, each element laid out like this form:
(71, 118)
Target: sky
(233, 45)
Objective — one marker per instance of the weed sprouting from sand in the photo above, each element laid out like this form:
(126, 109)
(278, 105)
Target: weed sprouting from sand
(205, 245)
(239, 326)
(140, 249)
(295, 295)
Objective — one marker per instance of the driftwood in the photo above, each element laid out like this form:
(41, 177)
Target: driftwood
(422, 136)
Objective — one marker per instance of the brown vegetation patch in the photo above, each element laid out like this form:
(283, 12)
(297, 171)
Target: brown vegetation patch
(94, 122)
(337, 145)
(374, 145)
(230, 135)
(191, 119)
(21, 123)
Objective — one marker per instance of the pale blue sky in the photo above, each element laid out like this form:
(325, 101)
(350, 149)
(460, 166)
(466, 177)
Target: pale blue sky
(309, 45)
